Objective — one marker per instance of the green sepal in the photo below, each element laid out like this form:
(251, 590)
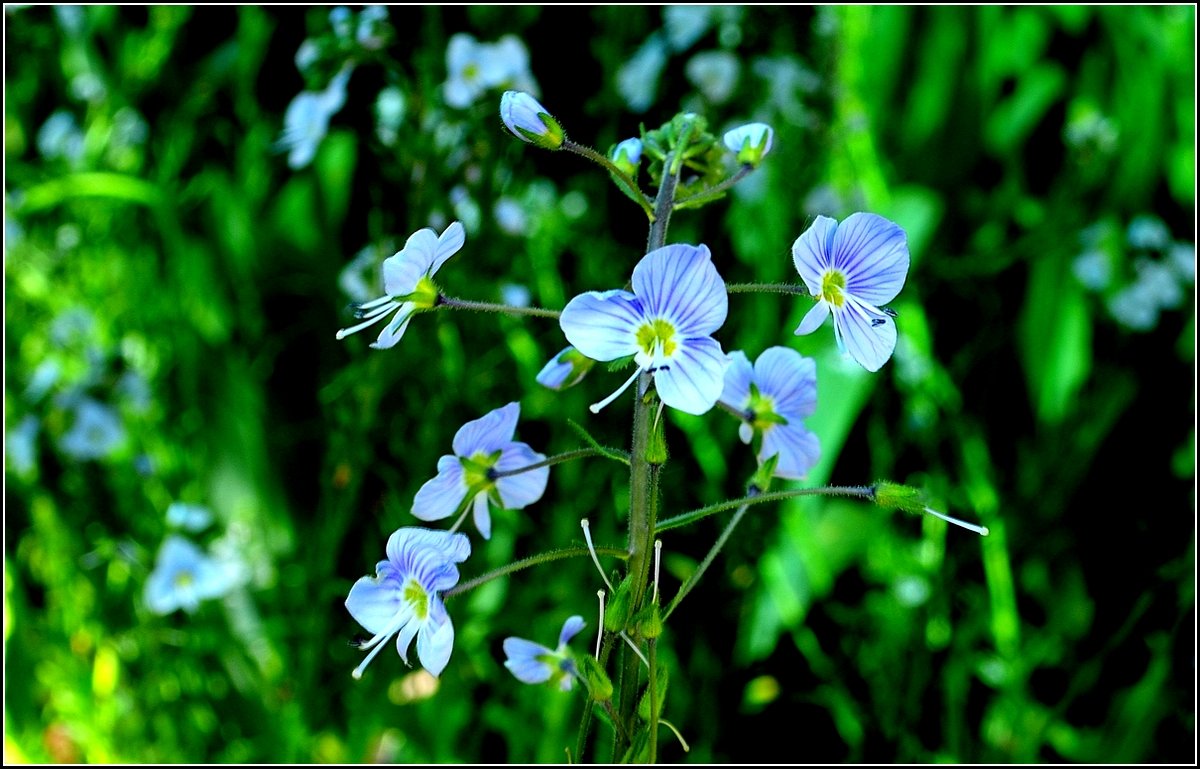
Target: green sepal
(660, 694)
(597, 681)
(893, 496)
(616, 613)
(649, 621)
(761, 479)
(656, 447)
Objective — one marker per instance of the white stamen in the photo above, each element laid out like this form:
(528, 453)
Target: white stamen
(374, 303)
(980, 530)
(600, 625)
(379, 641)
(345, 332)
(374, 313)
(636, 650)
(587, 536)
(678, 736)
(657, 563)
(595, 407)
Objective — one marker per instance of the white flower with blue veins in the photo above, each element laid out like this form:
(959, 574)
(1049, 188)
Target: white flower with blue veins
(773, 397)
(408, 281)
(666, 324)
(533, 663)
(484, 450)
(404, 599)
(853, 269)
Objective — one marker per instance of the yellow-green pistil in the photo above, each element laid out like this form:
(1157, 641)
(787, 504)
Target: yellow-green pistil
(184, 579)
(416, 597)
(423, 296)
(833, 285)
(477, 471)
(657, 332)
(762, 409)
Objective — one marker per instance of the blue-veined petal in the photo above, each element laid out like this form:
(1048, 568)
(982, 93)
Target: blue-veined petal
(694, 377)
(555, 373)
(790, 379)
(435, 641)
(873, 254)
(813, 319)
(738, 376)
(680, 284)
(523, 489)
(570, 628)
(603, 324)
(441, 496)
(375, 603)
(395, 328)
(523, 660)
(868, 335)
(405, 638)
(482, 516)
(491, 432)
(798, 450)
(410, 541)
(810, 252)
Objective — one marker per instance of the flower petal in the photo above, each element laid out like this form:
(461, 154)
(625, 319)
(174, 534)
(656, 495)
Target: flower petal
(603, 324)
(448, 244)
(680, 283)
(798, 450)
(737, 381)
(810, 252)
(570, 628)
(435, 642)
(441, 496)
(395, 328)
(693, 379)
(375, 603)
(869, 335)
(491, 432)
(411, 547)
(483, 517)
(813, 319)
(523, 489)
(523, 660)
(873, 253)
(790, 379)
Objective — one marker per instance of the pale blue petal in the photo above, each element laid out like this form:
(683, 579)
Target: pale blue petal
(680, 284)
(798, 450)
(745, 432)
(427, 554)
(737, 381)
(603, 325)
(441, 496)
(375, 603)
(488, 434)
(435, 642)
(448, 244)
(405, 638)
(483, 517)
(813, 319)
(523, 660)
(404, 269)
(810, 253)
(873, 253)
(869, 336)
(523, 489)
(570, 628)
(554, 374)
(160, 593)
(693, 379)
(395, 328)
(790, 379)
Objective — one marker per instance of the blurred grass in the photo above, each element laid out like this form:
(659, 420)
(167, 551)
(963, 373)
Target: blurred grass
(207, 268)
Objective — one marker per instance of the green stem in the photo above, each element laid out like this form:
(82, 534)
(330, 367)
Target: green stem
(566, 456)
(651, 651)
(687, 586)
(533, 560)
(861, 492)
(623, 179)
(766, 288)
(464, 304)
(700, 198)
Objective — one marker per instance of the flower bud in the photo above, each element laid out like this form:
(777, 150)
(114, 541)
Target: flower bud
(529, 121)
(751, 142)
(597, 681)
(565, 369)
(627, 155)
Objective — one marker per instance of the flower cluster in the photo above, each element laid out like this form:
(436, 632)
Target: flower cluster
(475, 68)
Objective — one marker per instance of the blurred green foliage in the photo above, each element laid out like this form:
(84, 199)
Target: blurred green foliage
(163, 260)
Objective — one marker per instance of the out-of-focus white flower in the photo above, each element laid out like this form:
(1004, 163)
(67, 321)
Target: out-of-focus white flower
(637, 80)
(390, 107)
(1092, 269)
(1182, 258)
(715, 74)
(21, 445)
(1148, 232)
(96, 432)
(60, 137)
(307, 119)
(685, 24)
(510, 217)
(515, 295)
(474, 68)
(1159, 283)
(184, 576)
(189, 517)
(307, 55)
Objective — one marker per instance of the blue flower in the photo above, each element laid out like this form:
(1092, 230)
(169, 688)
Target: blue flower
(307, 119)
(678, 301)
(529, 121)
(751, 142)
(565, 369)
(184, 576)
(774, 396)
(407, 279)
(188, 516)
(404, 596)
(533, 663)
(483, 448)
(854, 268)
(627, 155)
(96, 433)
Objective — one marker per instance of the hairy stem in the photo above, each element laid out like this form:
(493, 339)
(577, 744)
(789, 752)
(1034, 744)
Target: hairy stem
(566, 456)
(623, 179)
(766, 288)
(861, 492)
(533, 560)
(464, 304)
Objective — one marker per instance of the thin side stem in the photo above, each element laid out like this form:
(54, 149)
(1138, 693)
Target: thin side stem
(861, 492)
(623, 179)
(767, 288)
(687, 586)
(566, 456)
(533, 560)
(464, 304)
(714, 192)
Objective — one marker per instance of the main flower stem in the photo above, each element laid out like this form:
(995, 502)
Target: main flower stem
(464, 304)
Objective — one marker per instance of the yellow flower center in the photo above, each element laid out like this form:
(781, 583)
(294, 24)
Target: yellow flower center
(184, 579)
(833, 284)
(657, 332)
(417, 598)
(425, 295)
(763, 409)
(475, 470)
